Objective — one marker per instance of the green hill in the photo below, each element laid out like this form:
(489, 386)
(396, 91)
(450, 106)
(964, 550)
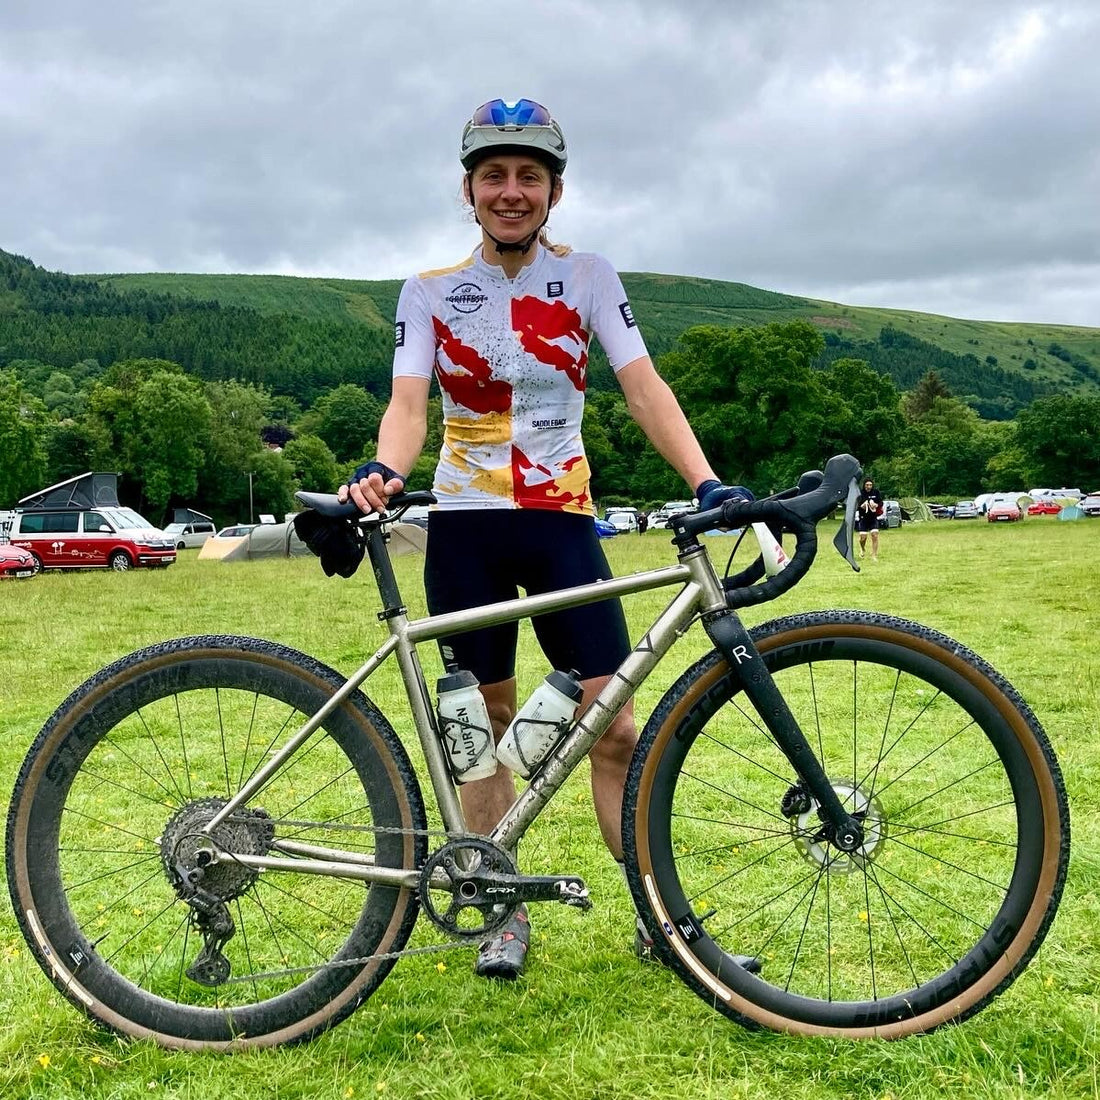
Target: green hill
(302, 336)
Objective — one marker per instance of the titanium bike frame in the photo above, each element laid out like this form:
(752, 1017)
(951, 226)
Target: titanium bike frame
(702, 595)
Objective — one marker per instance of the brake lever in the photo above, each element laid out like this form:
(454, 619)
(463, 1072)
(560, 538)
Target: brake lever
(845, 538)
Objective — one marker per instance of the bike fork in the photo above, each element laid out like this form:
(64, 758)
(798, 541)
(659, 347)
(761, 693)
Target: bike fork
(747, 669)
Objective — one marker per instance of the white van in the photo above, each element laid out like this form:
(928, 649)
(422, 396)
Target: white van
(1055, 494)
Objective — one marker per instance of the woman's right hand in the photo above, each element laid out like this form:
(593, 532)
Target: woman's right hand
(371, 487)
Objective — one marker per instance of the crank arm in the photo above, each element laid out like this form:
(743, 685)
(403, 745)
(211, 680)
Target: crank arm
(566, 889)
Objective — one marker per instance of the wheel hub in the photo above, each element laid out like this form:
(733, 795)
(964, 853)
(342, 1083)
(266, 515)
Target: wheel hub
(190, 855)
(811, 837)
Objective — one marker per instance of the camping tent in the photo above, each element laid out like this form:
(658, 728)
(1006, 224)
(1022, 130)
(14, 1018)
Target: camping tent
(1070, 511)
(83, 491)
(280, 540)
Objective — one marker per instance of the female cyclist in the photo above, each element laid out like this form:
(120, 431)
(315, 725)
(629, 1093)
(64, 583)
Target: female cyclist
(506, 334)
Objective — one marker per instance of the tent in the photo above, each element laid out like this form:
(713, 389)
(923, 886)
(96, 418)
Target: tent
(280, 540)
(83, 491)
(1070, 511)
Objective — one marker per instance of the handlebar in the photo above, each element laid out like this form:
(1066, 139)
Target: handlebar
(794, 510)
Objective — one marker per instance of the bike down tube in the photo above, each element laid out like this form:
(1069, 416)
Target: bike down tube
(702, 593)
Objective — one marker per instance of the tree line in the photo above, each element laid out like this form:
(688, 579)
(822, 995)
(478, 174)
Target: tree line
(199, 404)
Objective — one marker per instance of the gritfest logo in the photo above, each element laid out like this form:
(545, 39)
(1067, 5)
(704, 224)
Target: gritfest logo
(467, 298)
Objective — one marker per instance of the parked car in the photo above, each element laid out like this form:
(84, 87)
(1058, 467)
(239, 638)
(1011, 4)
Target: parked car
(659, 519)
(189, 535)
(622, 519)
(235, 531)
(16, 563)
(1044, 507)
(1003, 510)
(417, 514)
(941, 511)
(1090, 505)
(91, 538)
(965, 509)
(891, 515)
(605, 530)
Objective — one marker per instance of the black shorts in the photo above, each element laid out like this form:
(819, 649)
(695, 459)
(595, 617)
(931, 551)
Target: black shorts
(866, 522)
(481, 556)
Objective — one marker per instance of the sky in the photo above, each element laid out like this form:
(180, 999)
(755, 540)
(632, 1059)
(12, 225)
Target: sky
(933, 156)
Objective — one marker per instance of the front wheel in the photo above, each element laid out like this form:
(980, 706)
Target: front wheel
(966, 832)
(106, 823)
(120, 561)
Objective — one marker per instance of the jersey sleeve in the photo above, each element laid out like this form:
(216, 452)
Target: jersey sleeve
(613, 319)
(413, 333)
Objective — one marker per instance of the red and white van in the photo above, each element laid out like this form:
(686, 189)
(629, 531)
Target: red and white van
(91, 538)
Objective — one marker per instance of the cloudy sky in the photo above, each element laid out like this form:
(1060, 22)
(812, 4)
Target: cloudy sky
(929, 155)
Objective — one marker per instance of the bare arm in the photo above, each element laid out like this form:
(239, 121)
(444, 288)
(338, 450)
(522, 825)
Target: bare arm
(400, 439)
(657, 412)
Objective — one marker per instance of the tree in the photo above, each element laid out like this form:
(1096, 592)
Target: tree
(870, 425)
(346, 418)
(313, 464)
(758, 407)
(920, 399)
(272, 484)
(23, 433)
(239, 412)
(1060, 436)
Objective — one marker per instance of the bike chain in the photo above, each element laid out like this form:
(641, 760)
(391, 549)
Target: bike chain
(449, 945)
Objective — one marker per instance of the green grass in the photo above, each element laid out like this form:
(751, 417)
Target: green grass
(588, 1020)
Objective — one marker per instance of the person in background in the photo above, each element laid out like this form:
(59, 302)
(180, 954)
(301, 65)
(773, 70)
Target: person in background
(506, 332)
(869, 507)
(643, 522)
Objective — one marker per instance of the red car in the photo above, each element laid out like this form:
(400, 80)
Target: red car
(16, 563)
(1044, 508)
(1003, 509)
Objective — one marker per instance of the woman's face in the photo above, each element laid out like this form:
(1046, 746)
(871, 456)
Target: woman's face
(511, 196)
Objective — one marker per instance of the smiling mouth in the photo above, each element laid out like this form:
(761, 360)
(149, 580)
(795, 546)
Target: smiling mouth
(511, 215)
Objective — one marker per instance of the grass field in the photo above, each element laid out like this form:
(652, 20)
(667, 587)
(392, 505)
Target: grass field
(588, 1020)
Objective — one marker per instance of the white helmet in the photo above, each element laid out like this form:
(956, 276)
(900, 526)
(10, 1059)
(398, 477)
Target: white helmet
(520, 127)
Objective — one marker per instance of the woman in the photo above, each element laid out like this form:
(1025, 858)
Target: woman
(869, 507)
(506, 333)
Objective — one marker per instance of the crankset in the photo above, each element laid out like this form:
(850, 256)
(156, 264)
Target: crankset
(484, 889)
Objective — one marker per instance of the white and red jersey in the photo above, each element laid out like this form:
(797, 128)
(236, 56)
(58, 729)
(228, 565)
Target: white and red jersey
(511, 357)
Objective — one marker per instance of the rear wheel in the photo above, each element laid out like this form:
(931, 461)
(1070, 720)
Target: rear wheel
(106, 822)
(966, 832)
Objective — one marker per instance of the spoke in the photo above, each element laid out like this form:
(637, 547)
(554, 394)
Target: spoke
(221, 734)
(107, 781)
(961, 779)
(99, 876)
(784, 779)
(897, 740)
(954, 866)
(134, 935)
(275, 738)
(248, 739)
(275, 888)
(183, 746)
(151, 963)
(768, 901)
(730, 794)
(930, 936)
(243, 926)
(802, 932)
(855, 712)
(869, 869)
(870, 932)
(169, 792)
(295, 934)
(929, 753)
(110, 825)
(732, 846)
(931, 897)
(758, 949)
(885, 729)
(740, 871)
(904, 830)
(123, 898)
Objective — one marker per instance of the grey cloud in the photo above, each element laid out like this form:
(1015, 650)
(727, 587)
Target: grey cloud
(916, 155)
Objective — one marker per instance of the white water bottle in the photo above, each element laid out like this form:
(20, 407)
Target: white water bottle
(540, 723)
(464, 726)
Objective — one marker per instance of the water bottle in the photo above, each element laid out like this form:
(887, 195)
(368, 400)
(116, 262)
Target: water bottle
(464, 726)
(540, 723)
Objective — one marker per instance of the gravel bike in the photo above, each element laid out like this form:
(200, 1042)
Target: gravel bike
(836, 823)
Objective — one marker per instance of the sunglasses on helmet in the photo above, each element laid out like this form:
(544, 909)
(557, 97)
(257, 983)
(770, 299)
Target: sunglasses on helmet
(524, 112)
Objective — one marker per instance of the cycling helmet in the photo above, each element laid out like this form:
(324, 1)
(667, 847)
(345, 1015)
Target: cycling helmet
(520, 127)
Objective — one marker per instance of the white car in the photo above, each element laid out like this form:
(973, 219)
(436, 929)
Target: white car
(624, 519)
(659, 519)
(1090, 505)
(189, 535)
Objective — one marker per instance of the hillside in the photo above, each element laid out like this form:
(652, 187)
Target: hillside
(302, 336)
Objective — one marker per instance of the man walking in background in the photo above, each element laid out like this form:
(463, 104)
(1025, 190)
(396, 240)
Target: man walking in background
(868, 508)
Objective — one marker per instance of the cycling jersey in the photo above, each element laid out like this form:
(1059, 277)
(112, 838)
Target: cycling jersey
(511, 357)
